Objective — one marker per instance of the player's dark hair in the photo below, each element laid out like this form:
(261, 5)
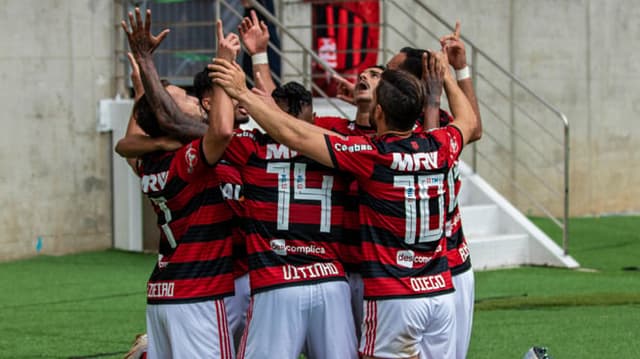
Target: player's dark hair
(413, 62)
(401, 96)
(295, 95)
(201, 84)
(146, 119)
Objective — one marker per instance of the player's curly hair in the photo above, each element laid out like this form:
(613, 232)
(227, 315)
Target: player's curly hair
(201, 84)
(295, 95)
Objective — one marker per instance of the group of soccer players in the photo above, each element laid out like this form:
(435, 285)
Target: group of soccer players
(348, 234)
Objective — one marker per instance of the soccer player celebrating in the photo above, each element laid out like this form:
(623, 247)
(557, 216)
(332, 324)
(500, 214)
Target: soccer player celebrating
(401, 177)
(294, 206)
(186, 314)
(418, 63)
(360, 94)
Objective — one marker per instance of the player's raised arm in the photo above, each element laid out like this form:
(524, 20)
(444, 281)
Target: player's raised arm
(464, 117)
(433, 70)
(136, 142)
(221, 110)
(457, 57)
(142, 44)
(284, 128)
(255, 37)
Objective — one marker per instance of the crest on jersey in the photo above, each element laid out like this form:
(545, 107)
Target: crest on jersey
(454, 145)
(415, 145)
(191, 157)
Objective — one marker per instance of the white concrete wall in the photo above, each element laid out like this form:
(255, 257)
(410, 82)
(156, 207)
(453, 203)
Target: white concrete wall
(56, 62)
(581, 56)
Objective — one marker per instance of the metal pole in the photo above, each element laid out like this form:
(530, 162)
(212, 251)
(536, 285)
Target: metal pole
(474, 79)
(306, 77)
(565, 229)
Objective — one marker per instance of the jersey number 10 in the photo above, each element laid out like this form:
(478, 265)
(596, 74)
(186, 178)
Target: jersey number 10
(413, 199)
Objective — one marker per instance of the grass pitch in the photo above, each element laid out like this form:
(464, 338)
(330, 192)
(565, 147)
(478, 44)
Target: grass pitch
(91, 305)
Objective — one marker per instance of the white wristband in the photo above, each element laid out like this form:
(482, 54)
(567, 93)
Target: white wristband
(260, 58)
(463, 73)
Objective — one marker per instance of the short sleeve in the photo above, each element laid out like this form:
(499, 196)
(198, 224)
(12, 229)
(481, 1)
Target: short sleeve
(189, 162)
(451, 139)
(240, 148)
(354, 154)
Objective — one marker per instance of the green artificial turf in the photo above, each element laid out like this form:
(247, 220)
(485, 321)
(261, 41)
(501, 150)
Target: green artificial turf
(72, 306)
(91, 305)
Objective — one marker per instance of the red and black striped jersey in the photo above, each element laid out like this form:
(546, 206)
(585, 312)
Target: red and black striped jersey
(294, 208)
(350, 245)
(194, 261)
(403, 199)
(231, 188)
(457, 248)
(343, 126)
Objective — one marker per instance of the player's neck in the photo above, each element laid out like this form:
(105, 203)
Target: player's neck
(362, 118)
(384, 130)
(396, 133)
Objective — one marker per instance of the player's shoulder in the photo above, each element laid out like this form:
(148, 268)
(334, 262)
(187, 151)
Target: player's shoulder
(324, 121)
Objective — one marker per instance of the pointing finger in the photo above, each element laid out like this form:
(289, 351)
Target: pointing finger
(254, 17)
(219, 31)
(456, 33)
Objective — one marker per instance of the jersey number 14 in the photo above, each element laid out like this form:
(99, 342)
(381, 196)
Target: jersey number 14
(300, 192)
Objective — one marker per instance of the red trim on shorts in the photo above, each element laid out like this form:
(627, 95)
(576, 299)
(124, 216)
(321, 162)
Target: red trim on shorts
(243, 342)
(225, 327)
(371, 321)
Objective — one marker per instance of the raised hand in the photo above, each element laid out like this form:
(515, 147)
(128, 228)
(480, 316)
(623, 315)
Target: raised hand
(229, 76)
(254, 34)
(455, 48)
(345, 89)
(264, 96)
(228, 47)
(141, 41)
(136, 79)
(434, 69)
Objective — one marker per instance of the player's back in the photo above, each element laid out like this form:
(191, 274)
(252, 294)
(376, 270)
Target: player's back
(294, 208)
(195, 247)
(402, 209)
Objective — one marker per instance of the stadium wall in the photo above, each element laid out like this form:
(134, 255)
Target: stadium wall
(580, 56)
(577, 54)
(56, 62)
